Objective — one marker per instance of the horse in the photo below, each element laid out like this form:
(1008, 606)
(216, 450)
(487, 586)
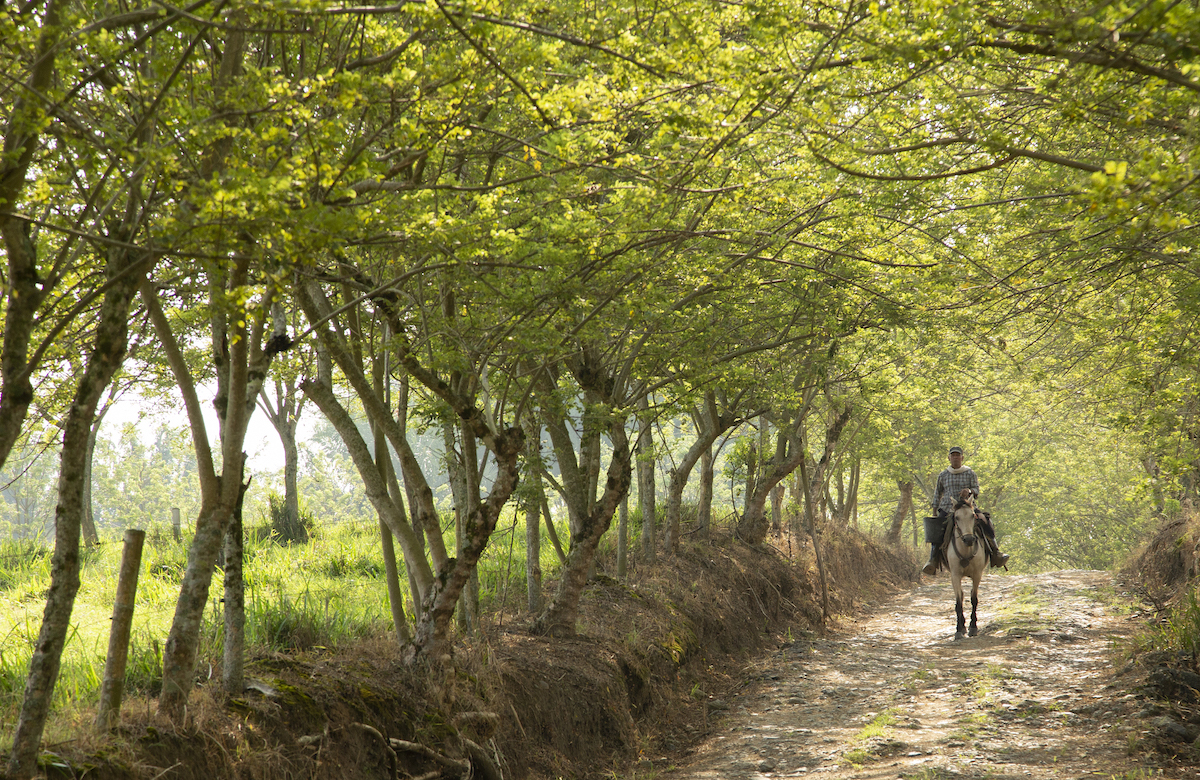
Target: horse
(967, 556)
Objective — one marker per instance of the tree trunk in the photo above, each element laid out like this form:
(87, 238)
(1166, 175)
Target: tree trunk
(912, 511)
(88, 519)
(395, 594)
(590, 442)
(182, 646)
(777, 509)
(421, 505)
(104, 360)
(707, 475)
(839, 505)
(788, 453)
(710, 424)
(431, 637)
(903, 507)
(645, 483)
(559, 617)
(751, 472)
(855, 476)
(26, 289)
(391, 570)
(242, 367)
(456, 476)
(816, 542)
(623, 539)
(534, 497)
(832, 435)
(284, 416)
(571, 471)
(291, 474)
(233, 677)
(551, 532)
(373, 483)
(112, 689)
(470, 596)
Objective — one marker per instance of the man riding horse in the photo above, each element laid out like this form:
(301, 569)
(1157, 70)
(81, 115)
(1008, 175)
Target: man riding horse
(949, 484)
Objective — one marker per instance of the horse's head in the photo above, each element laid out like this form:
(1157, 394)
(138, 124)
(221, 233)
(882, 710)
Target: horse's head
(964, 517)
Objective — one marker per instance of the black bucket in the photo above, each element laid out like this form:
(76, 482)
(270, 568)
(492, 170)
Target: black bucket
(935, 530)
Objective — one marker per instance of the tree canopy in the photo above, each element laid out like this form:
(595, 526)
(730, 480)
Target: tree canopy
(859, 223)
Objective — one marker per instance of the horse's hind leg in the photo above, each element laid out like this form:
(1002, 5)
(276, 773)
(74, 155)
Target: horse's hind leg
(956, 581)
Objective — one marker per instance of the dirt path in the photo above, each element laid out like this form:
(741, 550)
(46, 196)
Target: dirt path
(895, 695)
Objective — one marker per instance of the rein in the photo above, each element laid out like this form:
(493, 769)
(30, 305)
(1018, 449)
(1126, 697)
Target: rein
(963, 559)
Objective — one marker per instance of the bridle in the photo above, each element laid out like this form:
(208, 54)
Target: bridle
(970, 540)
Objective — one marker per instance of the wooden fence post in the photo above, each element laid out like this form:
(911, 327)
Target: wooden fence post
(113, 687)
(175, 524)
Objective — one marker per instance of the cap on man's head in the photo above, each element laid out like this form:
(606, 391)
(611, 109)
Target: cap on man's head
(953, 450)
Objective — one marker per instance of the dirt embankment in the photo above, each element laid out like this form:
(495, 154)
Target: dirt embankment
(657, 661)
(712, 664)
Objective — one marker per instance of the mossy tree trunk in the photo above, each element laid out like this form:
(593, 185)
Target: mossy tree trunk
(106, 356)
(26, 289)
(704, 505)
(533, 495)
(903, 508)
(753, 527)
(645, 483)
(560, 615)
(233, 677)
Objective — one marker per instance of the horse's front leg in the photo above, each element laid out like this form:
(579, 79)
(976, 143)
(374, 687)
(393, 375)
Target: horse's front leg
(974, 612)
(961, 628)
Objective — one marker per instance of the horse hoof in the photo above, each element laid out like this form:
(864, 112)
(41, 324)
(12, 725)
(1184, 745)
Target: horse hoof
(974, 632)
(958, 636)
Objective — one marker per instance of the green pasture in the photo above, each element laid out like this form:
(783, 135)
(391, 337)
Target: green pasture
(320, 594)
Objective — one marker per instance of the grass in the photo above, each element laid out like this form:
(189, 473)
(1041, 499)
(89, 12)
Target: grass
(1114, 601)
(1178, 633)
(984, 685)
(1025, 610)
(920, 677)
(872, 738)
(321, 594)
(879, 726)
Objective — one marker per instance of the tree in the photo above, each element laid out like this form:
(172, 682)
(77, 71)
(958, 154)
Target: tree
(284, 413)
(27, 284)
(713, 417)
(103, 362)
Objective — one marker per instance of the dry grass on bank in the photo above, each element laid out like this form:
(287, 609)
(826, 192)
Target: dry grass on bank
(1162, 571)
(655, 658)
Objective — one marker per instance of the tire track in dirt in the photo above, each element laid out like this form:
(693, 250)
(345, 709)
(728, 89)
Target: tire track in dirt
(895, 695)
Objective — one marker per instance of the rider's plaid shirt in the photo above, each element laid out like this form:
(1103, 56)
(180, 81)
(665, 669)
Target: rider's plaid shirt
(949, 485)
